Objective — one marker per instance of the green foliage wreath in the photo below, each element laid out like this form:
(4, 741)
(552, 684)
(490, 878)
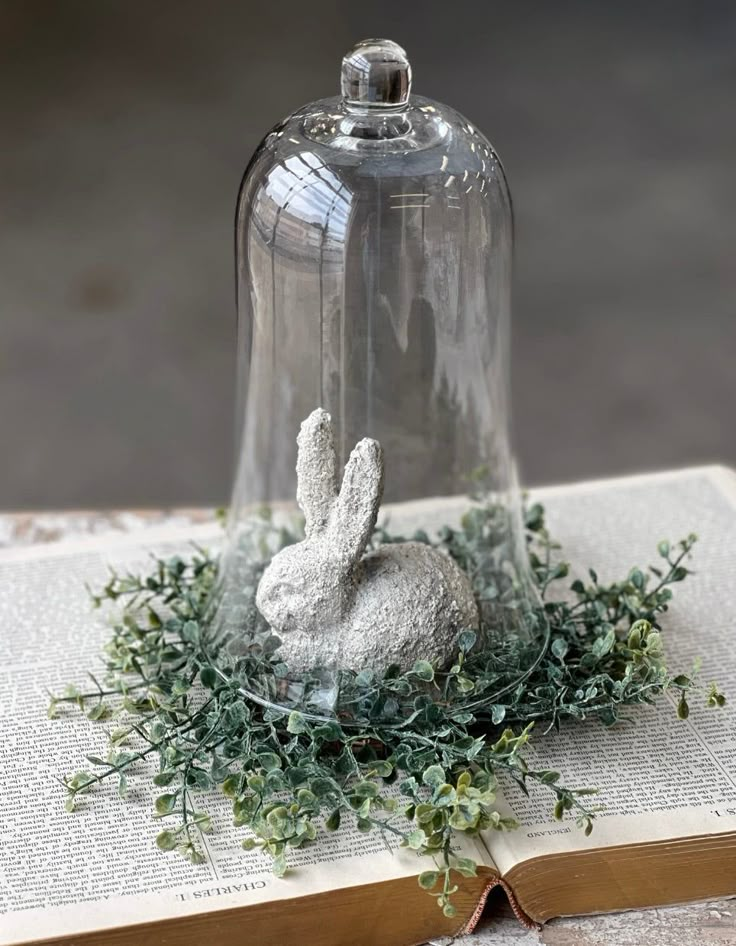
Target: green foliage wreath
(175, 697)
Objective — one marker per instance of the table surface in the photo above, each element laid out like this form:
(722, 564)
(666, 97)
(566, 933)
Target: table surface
(701, 924)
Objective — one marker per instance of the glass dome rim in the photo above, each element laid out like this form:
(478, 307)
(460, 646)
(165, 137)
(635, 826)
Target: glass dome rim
(470, 706)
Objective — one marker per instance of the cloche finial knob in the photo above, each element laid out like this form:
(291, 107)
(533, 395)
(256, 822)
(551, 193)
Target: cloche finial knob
(376, 73)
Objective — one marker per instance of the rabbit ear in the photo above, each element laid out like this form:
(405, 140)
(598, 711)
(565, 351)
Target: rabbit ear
(357, 505)
(316, 471)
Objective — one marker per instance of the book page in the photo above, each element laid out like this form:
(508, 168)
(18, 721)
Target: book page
(98, 867)
(659, 777)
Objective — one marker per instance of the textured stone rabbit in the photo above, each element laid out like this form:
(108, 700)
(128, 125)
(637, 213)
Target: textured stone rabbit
(333, 605)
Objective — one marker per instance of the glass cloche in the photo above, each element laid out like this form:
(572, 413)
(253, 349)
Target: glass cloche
(374, 242)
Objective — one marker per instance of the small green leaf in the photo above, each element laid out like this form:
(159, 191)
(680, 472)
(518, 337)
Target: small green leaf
(305, 798)
(190, 632)
(434, 776)
(604, 644)
(366, 789)
(636, 577)
(559, 648)
(424, 670)
(193, 855)
(99, 711)
(328, 732)
(231, 785)
(465, 866)
(428, 879)
(297, 723)
(164, 804)
(199, 779)
(270, 761)
(95, 760)
(415, 839)
(167, 840)
(333, 822)
(382, 768)
(498, 713)
(208, 677)
(464, 684)
(256, 783)
(466, 640)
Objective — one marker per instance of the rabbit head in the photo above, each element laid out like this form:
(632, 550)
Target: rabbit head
(309, 587)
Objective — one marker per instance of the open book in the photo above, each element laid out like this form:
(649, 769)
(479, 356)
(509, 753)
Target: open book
(668, 833)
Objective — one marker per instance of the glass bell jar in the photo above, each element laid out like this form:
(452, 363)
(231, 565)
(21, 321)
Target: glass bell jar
(375, 527)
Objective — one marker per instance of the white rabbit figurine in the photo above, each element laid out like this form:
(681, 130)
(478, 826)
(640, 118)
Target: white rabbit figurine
(332, 605)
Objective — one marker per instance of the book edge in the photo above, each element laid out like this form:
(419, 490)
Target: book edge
(669, 846)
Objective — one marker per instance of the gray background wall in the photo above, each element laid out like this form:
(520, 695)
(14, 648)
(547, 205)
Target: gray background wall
(125, 128)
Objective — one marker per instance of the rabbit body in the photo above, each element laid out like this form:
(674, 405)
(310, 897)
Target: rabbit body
(333, 605)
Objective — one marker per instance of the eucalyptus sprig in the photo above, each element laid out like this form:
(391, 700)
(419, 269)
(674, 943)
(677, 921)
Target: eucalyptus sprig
(420, 758)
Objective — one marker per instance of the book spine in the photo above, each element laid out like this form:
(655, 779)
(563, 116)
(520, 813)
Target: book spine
(519, 913)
